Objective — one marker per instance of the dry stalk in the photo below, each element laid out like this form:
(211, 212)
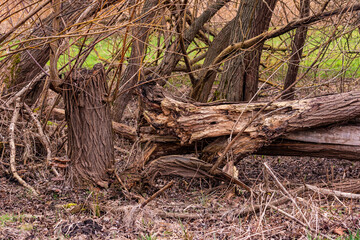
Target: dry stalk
(13, 149)
(157, 193)
(285, 192)
(256, 208)
(306, 226)
(334, 193)
(44, 140)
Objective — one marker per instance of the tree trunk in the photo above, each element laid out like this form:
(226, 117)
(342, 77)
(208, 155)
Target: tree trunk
(90, 136)
(296, 52)
(174, 53)
(240, 78)
(133, 72)
(24, 66)
(283, 147)
(205, 128)
(202, 88)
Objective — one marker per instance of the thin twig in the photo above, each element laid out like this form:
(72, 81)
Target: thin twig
(13, 149)
(43, 138)
(16, 27)
(298, 221)
(157, 193)
(286, 193)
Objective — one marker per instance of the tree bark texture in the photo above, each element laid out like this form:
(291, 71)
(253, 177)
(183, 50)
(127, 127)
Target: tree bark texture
(239, 81)
(90, 136)
(296, 52)
(24, 66)
(133, 72)
(178, 125)
(202, 88)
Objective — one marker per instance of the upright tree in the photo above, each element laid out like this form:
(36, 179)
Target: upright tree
(239, 81)
(134, 71)
(297, 48)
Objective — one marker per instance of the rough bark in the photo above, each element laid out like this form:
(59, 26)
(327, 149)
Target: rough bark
(90, 137)
(296, 52)
(283, 147)
(181, 125)
(202, 88)
(239, 81)
(133, 72)
(24, 66)
(252, 42)
(118, 128)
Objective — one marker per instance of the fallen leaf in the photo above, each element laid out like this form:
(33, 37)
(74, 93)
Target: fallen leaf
(339, 231)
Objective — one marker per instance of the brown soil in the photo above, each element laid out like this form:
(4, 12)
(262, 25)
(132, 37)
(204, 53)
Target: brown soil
(204, 209)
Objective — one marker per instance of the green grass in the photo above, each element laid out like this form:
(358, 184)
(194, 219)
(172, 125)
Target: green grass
(11, 218)
(110, 49)
(350, 236)
(339, 60)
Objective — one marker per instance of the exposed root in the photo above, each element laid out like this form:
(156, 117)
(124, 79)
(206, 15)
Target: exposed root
(187, 167)
(13, 149)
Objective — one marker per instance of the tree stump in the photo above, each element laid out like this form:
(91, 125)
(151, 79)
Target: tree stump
(90, 136)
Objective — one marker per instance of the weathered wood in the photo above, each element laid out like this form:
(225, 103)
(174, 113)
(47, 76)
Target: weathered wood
(118, 128)
(188, 123)
(90, 139)
(283, 147)
(188, 167)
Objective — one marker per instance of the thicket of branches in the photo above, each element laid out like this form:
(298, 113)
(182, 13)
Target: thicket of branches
(202, 51)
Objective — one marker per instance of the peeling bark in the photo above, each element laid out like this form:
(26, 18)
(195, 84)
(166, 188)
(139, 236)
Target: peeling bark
(182, 125)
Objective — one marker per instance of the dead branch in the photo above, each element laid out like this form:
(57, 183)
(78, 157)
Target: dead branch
(333, 192)
(182, 124)
(13, 149)
(43, 138)
(157, 193)
(277, 32)
(24, 89)
(285, 192)
(187, 167)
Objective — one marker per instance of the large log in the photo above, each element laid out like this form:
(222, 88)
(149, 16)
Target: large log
(182, 124)
(331, 142)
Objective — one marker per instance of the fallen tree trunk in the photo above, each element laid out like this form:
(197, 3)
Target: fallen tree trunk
(180, 127)
(331, 142)
(283, 147)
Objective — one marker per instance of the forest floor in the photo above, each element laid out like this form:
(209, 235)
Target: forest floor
(190, 209)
